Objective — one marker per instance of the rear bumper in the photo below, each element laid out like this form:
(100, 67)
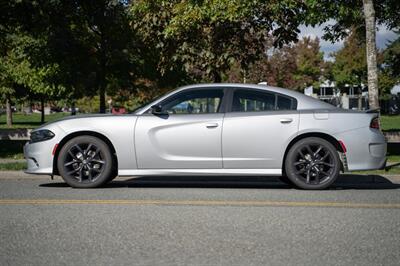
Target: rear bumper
(384, 165)
(366, 149)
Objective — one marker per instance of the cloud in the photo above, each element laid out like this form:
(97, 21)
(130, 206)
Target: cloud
(383, 37)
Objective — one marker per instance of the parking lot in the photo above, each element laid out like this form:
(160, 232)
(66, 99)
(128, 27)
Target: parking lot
(202, 221)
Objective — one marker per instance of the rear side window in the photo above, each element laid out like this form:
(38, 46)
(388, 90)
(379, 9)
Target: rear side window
(252, 101)
(258, 101)
(284, 103)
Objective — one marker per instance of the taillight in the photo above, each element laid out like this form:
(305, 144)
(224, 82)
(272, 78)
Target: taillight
(374, 123)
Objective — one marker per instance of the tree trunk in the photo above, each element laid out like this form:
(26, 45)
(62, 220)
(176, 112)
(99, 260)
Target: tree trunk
(216, 76)
(42, 107)
(30, 107)
(9, 112)
(370, 31)
(73, 108)
(102, 92)
(102, 72)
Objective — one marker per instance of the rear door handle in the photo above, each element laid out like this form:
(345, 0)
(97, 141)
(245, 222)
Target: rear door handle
(286, 120)
(212, 125)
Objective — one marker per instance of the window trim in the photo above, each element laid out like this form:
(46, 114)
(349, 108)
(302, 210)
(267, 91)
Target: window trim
(276, 94)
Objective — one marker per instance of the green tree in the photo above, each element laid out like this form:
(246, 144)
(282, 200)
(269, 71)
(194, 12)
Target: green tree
(363, 16)
(293, 66)
(350, 66)
(391, 57)
(24, 62)
(205, 38)
(93, 44)
(309, 63)
(25, 71)
(90, 41)
(389, 74)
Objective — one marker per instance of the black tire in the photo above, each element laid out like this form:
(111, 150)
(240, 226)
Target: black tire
(286, 180)
(114, 172)
(86, 162)
(312, 163)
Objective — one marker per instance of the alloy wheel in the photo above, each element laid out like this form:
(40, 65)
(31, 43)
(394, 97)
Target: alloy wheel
(314, 164)
(84, 162)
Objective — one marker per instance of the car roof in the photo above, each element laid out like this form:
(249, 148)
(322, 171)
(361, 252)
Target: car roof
(242, 85)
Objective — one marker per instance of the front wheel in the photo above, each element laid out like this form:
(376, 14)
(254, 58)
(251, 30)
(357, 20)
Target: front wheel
(312, 163)
(86, 162)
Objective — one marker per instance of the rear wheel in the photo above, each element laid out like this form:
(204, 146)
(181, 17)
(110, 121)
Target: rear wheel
(86, 162)
(312, 163)
(286, 180)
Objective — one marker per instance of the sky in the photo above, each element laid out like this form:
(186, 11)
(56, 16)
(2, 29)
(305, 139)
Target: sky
(383, 37)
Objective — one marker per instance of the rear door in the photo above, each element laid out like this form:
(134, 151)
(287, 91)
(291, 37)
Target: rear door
(258, 129)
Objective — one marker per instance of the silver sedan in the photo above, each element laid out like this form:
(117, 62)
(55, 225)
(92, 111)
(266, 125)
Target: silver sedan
(212, 129)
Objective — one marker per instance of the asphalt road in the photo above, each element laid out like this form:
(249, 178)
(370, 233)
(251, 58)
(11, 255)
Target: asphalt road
(199, 221)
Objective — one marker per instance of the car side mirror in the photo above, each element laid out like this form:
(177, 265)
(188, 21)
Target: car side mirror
(157, 110)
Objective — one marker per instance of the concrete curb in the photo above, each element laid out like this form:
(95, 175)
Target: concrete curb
(10, 160)
(392, 136)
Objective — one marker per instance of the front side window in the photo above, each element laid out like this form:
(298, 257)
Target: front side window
(194, 102)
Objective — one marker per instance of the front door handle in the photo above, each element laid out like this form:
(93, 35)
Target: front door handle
(286, 120)
(212, 125)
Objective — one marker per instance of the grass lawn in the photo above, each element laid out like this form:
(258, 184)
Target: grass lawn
(29, 120)
(390, 123)
(17, 166)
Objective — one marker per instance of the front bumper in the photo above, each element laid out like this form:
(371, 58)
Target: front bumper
(39, 157)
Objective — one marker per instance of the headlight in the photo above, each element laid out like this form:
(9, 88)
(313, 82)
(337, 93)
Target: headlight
(41, 135)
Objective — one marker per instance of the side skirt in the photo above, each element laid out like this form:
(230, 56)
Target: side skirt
(199, 172)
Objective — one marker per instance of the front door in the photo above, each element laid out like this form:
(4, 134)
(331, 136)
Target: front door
(186, 136)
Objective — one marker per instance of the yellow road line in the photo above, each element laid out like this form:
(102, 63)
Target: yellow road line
(199, 203)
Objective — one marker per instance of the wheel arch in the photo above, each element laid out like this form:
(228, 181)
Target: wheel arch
(321, 135)
(83, 133)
